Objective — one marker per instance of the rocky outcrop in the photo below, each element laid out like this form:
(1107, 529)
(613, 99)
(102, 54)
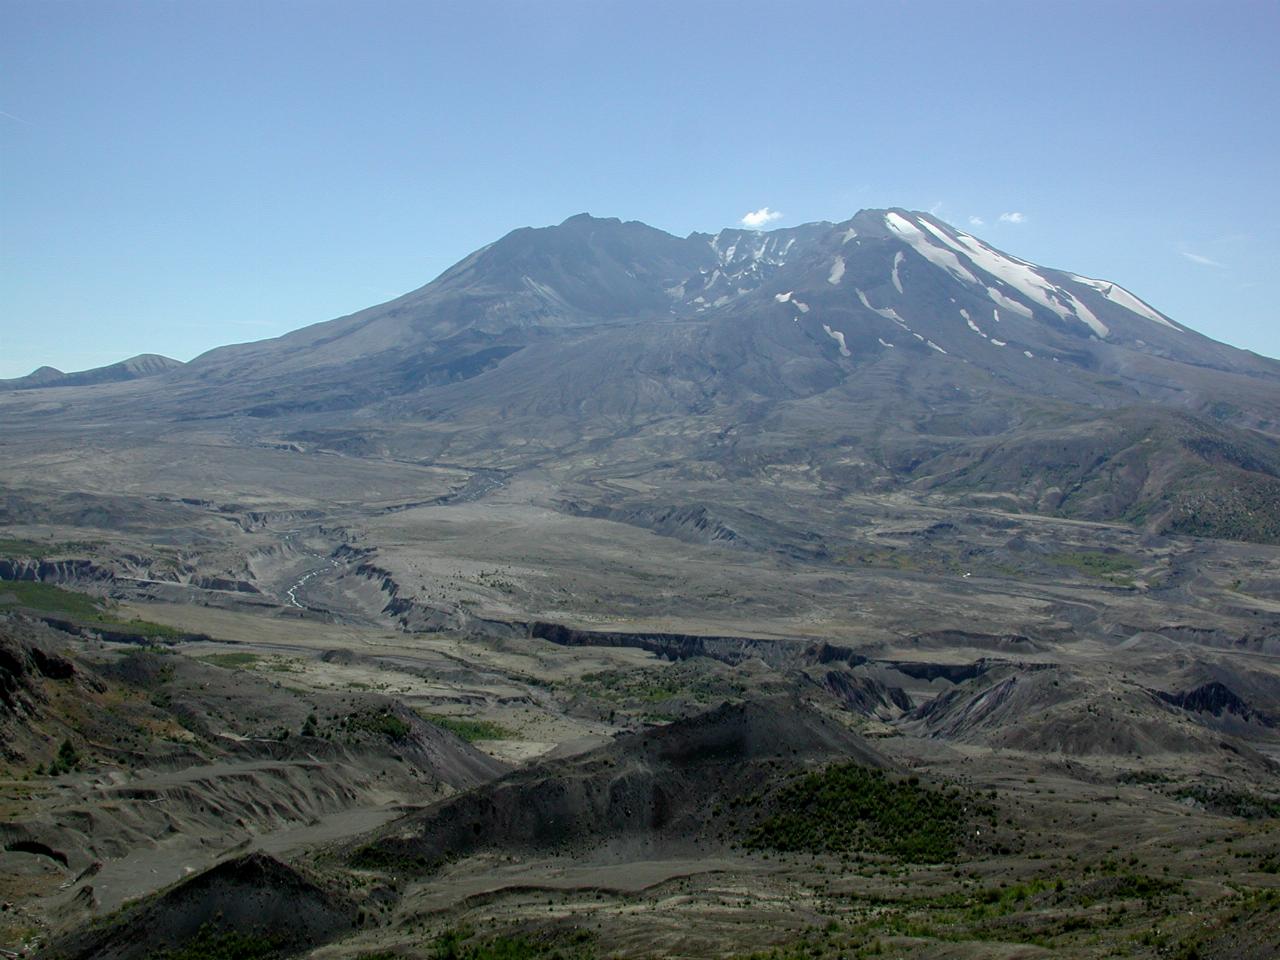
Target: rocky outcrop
(673, 646)
(1215, 698)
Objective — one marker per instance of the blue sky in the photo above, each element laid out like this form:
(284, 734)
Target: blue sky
(180, 175)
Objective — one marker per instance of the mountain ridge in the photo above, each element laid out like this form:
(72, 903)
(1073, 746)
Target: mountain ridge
(887, 351)
(134, 368)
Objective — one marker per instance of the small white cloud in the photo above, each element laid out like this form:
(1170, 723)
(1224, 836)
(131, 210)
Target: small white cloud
(977, 222)
(936, 208)
(758, 218)
(1203, 261)
(1014, 217)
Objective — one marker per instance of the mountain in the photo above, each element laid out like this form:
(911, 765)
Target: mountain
(887, 351)
(135, 368)
(881, 281)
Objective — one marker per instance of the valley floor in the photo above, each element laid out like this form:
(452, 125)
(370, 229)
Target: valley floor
(490, 715)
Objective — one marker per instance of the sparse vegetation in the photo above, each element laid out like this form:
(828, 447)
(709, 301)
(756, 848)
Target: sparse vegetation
(46, 598)
(371, 856)
(36, 549)
(381, 723)
(849, 808)
(468, 728)
(210, 944)
(67, 759)
(1104, 565)
(646, 687)
(463, 944)
(1233, 803)
(231, 661)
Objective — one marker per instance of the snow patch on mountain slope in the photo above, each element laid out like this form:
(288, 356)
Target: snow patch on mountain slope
(883, 342)
(1123, 298)
(972, 326)
(838, 337)
(837, 270)
(887, 312)
(897, 262)
(543, 290)
(1012, 305)
(1020, 275)
(787, 298)
(936, 255)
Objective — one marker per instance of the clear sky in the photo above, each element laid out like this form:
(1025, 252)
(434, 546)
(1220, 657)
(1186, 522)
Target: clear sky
(179, 175)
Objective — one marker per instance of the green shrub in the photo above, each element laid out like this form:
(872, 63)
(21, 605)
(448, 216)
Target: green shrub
(382, 724)
(462, 945)
(46, 598)
(209, 944)
(1114, 567)
(66, 760)
(469, 729)
(847, 808)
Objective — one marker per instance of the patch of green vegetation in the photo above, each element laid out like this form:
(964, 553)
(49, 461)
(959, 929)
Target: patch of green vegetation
(883, 556)
(1224, 411)
(1244, 911)
(847, 808)
(648, 687)
(231, 661)
(46, 598)
(464, 945)
(998, 901)
(1044, 911)
(1233, 803)
(67, 759)
(209, 944)
(469, 729)
(40, 549)
(26, 548)
(1141, 886)
(382, 723)
(1114, 567)
(371, 856)
(144, 628)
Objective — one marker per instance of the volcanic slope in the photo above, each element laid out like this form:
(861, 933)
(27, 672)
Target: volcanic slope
(890, 351)
(652, 787)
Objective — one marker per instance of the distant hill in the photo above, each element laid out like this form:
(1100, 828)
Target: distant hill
(135, 368)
